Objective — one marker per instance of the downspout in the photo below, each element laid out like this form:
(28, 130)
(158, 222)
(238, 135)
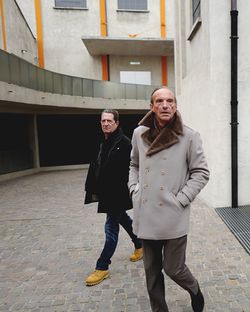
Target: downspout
(234, 102)
(2, 17)
(104, 33)
(39, 32)
(163, 36)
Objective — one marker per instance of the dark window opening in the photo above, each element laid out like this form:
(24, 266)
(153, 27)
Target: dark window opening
(133, 5)
(15, 142)
(196, 9)
(74, 139)
(81, 4)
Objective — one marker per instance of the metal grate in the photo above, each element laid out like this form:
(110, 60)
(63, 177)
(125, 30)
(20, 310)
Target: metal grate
(238, 221)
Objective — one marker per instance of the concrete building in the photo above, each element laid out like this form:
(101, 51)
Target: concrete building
(63, 61)
(203, 86)
(96, 54)
(115, 40)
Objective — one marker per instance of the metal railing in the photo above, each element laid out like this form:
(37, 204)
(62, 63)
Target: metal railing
(15, 70)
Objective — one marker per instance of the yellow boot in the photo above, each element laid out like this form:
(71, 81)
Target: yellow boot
(137, 255)
(96, 277)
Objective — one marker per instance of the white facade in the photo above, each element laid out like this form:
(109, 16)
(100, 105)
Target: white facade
(203, 86)
(64, 51)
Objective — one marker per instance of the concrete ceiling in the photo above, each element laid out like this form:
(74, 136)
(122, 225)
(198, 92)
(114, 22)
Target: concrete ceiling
(128, 46)
(24, 108)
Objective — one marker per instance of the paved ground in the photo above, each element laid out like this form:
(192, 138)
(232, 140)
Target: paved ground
(49, 242)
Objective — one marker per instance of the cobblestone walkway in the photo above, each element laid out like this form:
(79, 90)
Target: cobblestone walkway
(49, 243)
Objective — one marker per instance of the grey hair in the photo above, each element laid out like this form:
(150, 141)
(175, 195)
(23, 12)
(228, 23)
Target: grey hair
(113, 112)
(163, 87)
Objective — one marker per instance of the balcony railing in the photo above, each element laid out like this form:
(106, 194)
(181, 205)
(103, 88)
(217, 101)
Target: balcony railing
(15, 70)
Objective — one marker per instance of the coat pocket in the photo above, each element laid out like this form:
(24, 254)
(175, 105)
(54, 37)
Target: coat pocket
(136, 195)
(178, 204)
(136, 190)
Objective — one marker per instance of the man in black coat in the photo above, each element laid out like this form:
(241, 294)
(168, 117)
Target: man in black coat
(107, 183)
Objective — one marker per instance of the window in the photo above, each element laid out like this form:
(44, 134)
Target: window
(196, 21)
(196, 9)
(81, 4)
(133, 5)
(136, 77)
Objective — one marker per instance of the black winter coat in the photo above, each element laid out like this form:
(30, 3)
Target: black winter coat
(108, 175)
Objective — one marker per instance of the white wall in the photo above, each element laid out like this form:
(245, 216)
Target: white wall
(204, 98)
(143, 25)
(18, 35)
(205, 92)
(28, 9)
(147, 25)
(65, 52)
(63, 29)
(152, 64)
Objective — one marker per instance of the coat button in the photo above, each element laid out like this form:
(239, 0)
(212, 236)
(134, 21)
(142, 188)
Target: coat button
(163, 173)
(145, 186)
(162, 188)
(161, 204)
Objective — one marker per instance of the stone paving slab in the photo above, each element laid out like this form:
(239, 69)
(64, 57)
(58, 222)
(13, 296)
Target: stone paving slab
(49, 243)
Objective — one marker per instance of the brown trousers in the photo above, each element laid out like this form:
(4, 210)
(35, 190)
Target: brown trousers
(169, 255)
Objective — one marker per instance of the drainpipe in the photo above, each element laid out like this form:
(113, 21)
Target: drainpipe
(234, 102)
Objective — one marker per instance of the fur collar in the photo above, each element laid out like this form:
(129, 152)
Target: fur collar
(161, 139)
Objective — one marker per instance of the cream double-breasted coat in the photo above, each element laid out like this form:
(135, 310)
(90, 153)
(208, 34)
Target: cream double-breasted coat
(164, 184)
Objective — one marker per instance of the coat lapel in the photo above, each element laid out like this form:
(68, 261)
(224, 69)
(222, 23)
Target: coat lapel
(164, 138)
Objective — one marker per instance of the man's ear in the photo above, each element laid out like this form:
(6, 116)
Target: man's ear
(151, 107)
(117, 122)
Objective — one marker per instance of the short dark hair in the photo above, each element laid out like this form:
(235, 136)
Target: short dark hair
(112, 111)
(163, 87)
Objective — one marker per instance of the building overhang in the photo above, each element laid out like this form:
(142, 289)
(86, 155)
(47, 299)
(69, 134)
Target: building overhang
(128, 46)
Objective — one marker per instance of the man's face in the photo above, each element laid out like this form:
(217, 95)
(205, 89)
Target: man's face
(108, 123)
(164, 106)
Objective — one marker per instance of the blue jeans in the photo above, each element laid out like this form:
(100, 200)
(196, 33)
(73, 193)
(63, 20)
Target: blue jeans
(112, 226)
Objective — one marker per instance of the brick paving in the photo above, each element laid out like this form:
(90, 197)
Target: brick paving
(49, 243)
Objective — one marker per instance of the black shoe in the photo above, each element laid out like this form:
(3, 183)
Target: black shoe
(197, 301)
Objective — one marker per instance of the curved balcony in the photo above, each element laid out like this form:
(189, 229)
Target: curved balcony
(23, 82)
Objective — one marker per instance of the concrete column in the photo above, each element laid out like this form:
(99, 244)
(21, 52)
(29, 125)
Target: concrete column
(34, 142)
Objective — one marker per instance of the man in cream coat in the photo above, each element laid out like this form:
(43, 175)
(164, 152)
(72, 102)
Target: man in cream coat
(167, 170)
